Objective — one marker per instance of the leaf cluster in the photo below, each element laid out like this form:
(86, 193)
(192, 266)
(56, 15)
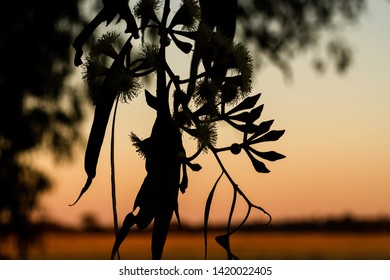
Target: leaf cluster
(282, 29)
(222, 94)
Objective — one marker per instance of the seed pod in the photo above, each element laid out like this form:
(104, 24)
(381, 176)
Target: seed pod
(235, 149)
(95, 141)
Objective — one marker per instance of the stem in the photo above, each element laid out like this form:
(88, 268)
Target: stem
(162, 92)
(146, 72)
(164, 19)
(113, 186)
(207, 214)
(201, 75)
(235, 186)
(197, 153)
(229, 252)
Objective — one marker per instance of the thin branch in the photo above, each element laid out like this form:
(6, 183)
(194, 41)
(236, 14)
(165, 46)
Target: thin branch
(197, 153)
(201, 75)
(235, 186)
(232, 207)
(113, 185)
(207, 214)
(144, 73)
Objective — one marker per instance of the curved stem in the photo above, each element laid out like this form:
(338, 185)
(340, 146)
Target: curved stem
(243, 221)
(234, 200)
(144, 73)
(112, 159)
(201, 75)
(207, 213)
(235, 186)
(195, 155)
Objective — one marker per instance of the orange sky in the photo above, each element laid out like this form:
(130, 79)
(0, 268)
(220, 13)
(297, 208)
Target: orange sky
(336, 142)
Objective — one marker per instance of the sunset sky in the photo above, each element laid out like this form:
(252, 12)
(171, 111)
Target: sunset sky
(337, 144)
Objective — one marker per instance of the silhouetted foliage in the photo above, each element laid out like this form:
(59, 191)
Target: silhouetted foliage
(37, 109)
(221, 94)
(40, 112)
(283, 28)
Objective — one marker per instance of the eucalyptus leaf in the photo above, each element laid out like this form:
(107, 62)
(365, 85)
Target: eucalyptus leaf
(247, 103)
(193, 35)
(128, 222)
(160, 231)
(254, 114)
(257, 164)
(246, 128)
(183, 184)
(223, 240)
(261, 129)
(183, 46)
(272, 135)
(151, 100)
(242, 117)
(207, 212)
(194, 166)
(271, 155)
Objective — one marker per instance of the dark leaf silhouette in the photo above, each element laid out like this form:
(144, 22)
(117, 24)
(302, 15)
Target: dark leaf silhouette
(261, 129)
(157, 197)
(106, 93)
(246, 128)
(183, 46)
(207, 212)
(151, 100)
(186, 15)
(110, 10)
(254, 114)
(95, 141)
(184, 183)
(224, 241)
(128, 222)
(160, 232)
(273, 135)
(194, 166)
(242, 117)
(257, 164)
(247, 103)
(271, 156)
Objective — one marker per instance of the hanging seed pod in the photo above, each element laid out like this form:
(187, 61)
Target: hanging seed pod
(235, 149)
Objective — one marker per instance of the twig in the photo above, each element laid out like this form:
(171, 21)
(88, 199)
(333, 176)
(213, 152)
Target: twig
(113, 185)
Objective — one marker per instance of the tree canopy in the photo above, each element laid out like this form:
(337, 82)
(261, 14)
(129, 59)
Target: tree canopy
(38, 110)
(282, 29)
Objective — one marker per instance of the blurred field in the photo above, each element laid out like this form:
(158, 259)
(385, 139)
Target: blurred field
(277, 245)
